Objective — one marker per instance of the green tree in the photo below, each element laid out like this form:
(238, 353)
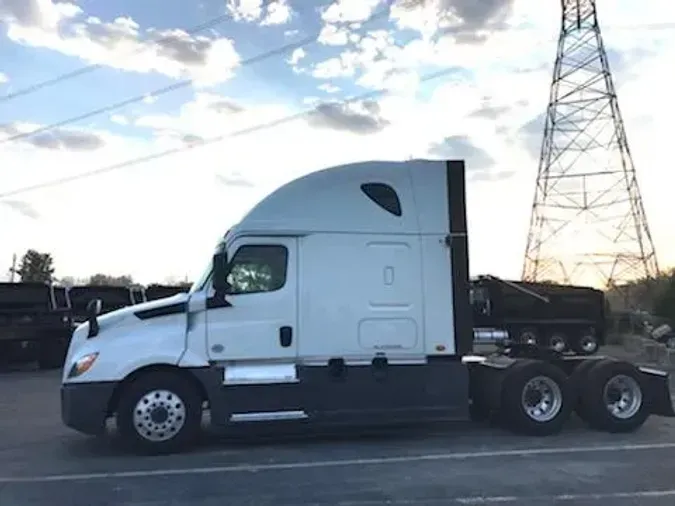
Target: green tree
(665, 302)
(36, 267)
(105, 280)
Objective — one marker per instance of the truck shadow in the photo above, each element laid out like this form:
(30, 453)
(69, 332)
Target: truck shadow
(454, 436)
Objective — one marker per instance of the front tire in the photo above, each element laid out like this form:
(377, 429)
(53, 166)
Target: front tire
(159, 413)
(536, 398)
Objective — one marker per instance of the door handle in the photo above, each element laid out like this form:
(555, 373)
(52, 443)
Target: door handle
(285, 336)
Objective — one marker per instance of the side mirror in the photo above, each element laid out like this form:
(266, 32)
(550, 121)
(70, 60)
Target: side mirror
(94, 307)
(220, 272)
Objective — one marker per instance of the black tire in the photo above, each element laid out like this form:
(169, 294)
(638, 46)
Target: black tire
(528, 335)
(583, 342)
(183, 425)
(513, 412)
(579, 381)
(558, 341)
(593, 401)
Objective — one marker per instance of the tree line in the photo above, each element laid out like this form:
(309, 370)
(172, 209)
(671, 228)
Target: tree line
(656, 296)
(38, 267)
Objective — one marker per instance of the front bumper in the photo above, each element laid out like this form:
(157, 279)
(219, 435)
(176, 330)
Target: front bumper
(84, 406)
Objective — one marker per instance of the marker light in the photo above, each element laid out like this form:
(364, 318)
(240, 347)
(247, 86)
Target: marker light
(82, 365)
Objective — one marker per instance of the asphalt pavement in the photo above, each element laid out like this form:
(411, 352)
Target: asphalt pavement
(43, 463)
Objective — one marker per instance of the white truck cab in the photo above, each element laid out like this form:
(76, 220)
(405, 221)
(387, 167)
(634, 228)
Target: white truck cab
(340, 297)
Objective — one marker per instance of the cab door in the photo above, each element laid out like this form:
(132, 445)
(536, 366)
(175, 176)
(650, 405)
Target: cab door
(258, 321)
(254, 332)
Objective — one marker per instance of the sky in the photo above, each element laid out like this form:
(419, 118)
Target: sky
(245, 95)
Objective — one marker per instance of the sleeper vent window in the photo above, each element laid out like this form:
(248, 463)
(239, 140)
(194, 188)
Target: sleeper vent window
(384, 196)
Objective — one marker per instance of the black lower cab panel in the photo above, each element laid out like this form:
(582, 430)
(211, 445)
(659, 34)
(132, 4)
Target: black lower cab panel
(345, 394)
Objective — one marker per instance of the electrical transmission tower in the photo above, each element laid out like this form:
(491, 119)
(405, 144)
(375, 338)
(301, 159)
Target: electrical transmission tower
(588, 224)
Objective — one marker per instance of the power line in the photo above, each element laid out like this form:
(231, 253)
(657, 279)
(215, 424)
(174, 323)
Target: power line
(90, 68)
(177, 150)
(173, 87)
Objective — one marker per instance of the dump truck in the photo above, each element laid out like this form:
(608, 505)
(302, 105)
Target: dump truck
(35, 323)
(341, 298)
(562, 317)
(111, 297)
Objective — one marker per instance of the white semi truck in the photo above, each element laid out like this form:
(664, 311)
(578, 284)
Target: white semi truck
(342, 297)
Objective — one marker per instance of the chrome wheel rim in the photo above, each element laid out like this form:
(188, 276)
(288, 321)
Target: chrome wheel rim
(622, 396)
(541, 399)
(159, 415)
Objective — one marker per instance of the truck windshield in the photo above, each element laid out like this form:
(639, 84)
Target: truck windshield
(202, 279)
(206, 274)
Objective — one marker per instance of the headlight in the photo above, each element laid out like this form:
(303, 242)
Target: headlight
(82, 365)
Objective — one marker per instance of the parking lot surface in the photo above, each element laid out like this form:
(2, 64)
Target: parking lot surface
(44, 463)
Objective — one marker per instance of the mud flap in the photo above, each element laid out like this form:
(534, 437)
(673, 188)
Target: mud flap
(658, 391)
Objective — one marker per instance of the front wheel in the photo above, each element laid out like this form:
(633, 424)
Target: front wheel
(160, 412)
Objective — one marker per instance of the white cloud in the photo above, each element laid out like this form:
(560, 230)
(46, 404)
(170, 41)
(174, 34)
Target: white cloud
(119, 119)
(44, 14)
(276, 12)
(349, 11)
(119, 43)
(328, 88)
(467, 20)
(149, 99)
(68, 139)
(245, 10)
(332, 35)
(3, 78)
(297, 55)
(210, 115)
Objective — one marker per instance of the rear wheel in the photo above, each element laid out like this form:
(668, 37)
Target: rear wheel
(160, 412)
(579, 382)
(614, 399)
(536, 398)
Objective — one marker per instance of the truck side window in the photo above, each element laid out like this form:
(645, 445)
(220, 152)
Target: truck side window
(384, 196)
(258, 268)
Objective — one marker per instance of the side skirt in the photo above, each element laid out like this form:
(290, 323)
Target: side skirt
(337, 392)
